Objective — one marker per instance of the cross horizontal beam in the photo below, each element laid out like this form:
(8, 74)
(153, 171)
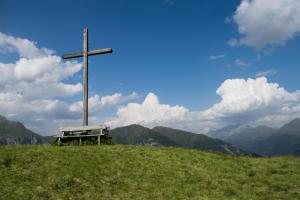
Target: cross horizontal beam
(90, 53)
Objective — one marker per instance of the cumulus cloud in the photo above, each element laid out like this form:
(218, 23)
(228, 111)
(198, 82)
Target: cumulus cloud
(149, 112)
(240, 96)
(250, 101)
(254, 101)
(266, 22)
(33, 88)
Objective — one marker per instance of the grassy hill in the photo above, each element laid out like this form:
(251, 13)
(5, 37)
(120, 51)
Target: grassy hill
(163, 136)
(140, 172)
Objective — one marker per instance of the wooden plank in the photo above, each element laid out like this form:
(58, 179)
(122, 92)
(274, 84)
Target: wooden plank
(77, 136)
(85, 78)
(100, 51)
(72, 55)
(83, 128)
(90, 53)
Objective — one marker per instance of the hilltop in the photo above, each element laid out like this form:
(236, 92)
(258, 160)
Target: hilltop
(139, 172)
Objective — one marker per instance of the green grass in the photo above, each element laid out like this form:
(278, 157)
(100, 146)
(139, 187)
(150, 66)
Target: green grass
(136, 172)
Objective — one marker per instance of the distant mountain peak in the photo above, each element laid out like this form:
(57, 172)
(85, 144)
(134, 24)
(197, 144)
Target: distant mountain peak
(294, 121)
(12, 132)
(165, 136)
(135, 126)
(3, 119)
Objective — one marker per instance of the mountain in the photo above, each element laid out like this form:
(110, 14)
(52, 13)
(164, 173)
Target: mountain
(264, 140)
(16, 133)
(228, 131)
(198, 141)
(225, 132)
(136, 134)
(163, 136)
(285, 141)
(251, 139)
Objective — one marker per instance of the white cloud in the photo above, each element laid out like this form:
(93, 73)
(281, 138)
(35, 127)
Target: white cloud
(254, 101)
(251, 101)
(240, 64)
(33, 88)
(149, 112)
(239, 96)
(25, 48)
(267, 22)
(97, 103)
(265, 73)
(216, 57)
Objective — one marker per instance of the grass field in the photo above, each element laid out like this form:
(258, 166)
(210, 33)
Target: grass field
(136, 172)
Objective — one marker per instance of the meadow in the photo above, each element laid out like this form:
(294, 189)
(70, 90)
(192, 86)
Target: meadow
(140, 172)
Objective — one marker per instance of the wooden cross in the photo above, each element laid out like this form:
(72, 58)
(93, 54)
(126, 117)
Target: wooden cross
(85, 54)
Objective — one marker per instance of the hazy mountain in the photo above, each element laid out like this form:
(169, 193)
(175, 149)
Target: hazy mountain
(16, 133)
(162, 136)
(251, 139)
(285, 141)
(224, 132)
(264, 140)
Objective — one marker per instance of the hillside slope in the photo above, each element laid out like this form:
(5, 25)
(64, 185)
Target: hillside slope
(139, 172)
(16, 133)
(198, 141)
(162, 136)
(136, 134)
(252, 139)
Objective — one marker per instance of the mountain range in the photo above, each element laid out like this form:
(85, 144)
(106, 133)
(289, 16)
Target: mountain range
(16, 133)
(163, 136)
(232, 140)
(263, 140)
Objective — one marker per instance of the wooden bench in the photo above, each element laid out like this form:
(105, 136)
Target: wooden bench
(83, 132)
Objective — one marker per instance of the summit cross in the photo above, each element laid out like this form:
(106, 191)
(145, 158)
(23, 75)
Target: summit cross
(85, 54)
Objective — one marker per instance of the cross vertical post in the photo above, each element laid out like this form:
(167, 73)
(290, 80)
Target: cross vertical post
(85, 78)
(85, 54)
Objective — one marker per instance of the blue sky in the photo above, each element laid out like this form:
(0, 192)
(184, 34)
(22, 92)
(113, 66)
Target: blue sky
(176, 49)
